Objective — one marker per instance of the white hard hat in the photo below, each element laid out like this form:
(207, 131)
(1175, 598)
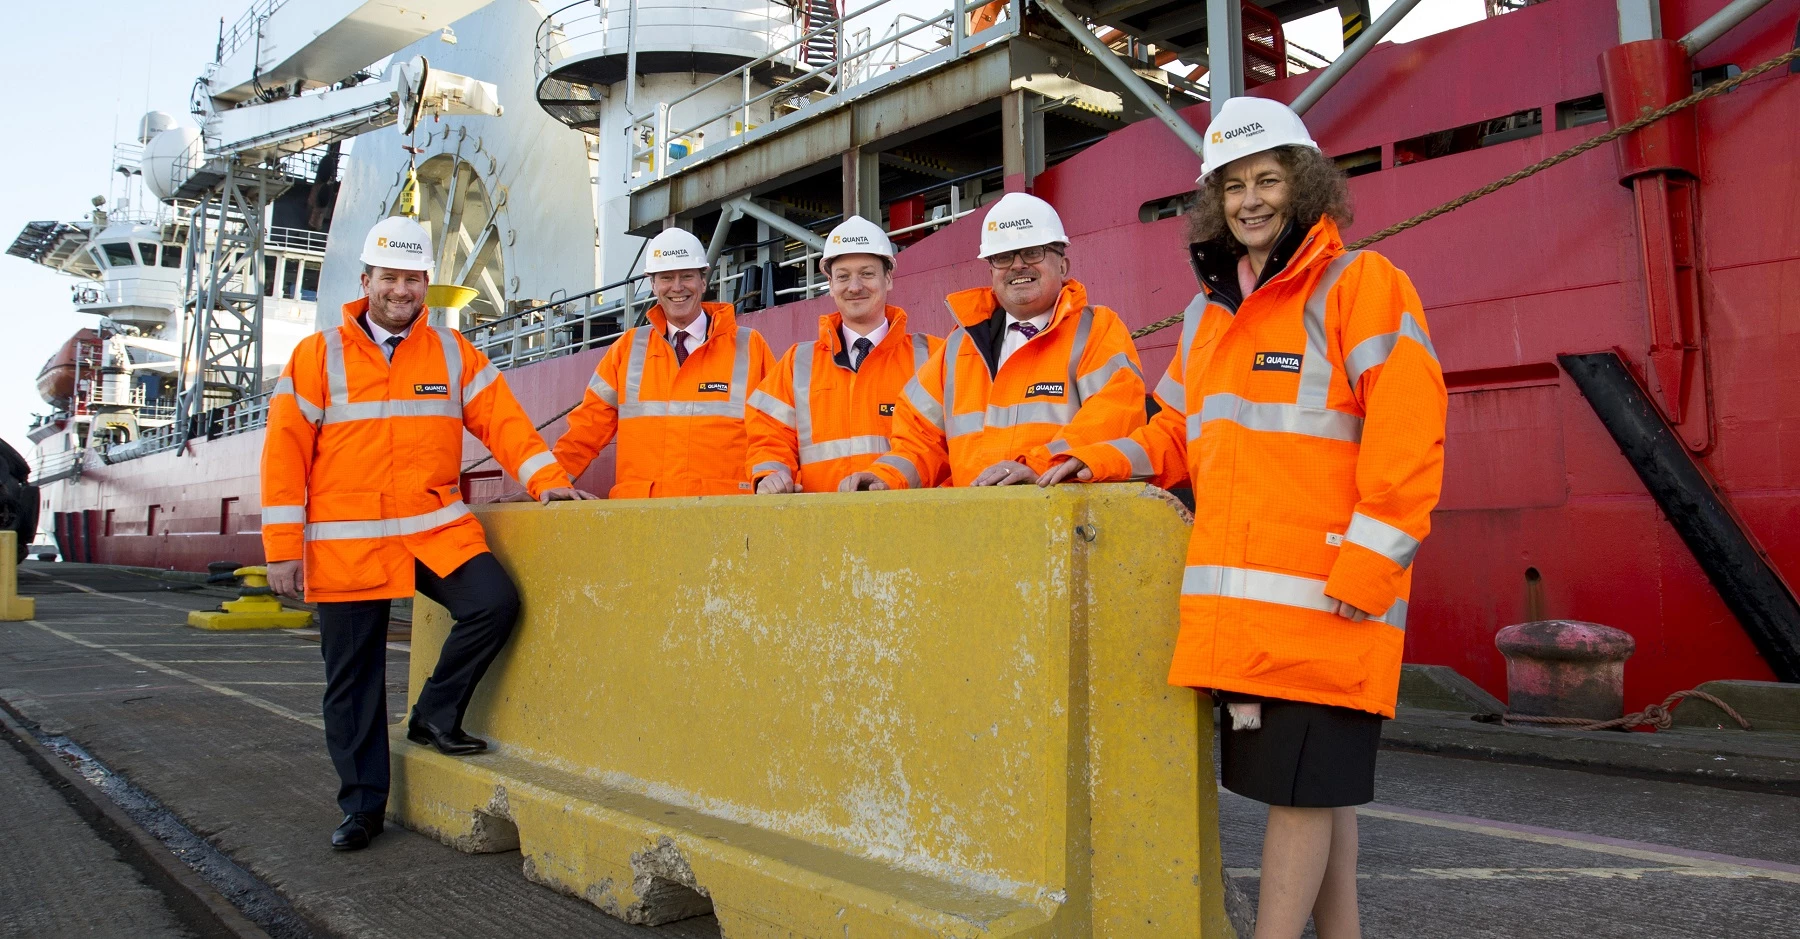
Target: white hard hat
(676, 249)
(398, 242)
(1020, 221)
(1250, 125)
(856, 235)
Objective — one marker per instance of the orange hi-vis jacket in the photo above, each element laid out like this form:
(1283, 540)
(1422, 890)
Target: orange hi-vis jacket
(1310, 421)
(362, 458)
(680, 427)
(1077, 382)
(821, 421)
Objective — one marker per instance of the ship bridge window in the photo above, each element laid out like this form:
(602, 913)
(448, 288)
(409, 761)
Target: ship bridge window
(309, 282)
(147, 251)
(171, 256)
(1514, 126)
(99, 259)
(119, 254)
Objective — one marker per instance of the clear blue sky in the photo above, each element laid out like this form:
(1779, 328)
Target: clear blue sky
(80, 76)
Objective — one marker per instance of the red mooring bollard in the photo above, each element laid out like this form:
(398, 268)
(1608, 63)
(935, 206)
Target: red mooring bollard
(1565, 668)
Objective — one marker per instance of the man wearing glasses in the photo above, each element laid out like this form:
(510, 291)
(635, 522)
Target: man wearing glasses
(1033, 371)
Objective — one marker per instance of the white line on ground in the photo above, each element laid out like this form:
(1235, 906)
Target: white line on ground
(113, 596)
(213, 686)
(1600, 844)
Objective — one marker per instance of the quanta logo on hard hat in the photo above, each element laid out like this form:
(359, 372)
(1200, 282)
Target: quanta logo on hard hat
(851, 240)
(400, 245)
(1248, 130)
(1012, 224)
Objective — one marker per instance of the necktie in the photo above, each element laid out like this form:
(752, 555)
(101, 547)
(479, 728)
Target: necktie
(392, 343)
(681, 349)
(862, 347)
(1025, 329)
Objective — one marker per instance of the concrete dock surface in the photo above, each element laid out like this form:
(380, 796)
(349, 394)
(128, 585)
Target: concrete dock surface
(210, 744)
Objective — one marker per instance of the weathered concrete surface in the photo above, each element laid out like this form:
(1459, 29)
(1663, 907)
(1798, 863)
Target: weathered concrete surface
(1767, 705)
(223, 730)
(903, 714)
(61, 878)
(1442, 688)
(1726, 756)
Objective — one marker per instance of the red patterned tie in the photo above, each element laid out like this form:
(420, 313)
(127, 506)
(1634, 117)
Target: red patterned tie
(681, 349)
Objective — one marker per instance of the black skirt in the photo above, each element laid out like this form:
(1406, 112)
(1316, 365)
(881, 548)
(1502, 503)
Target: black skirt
(1305, 755)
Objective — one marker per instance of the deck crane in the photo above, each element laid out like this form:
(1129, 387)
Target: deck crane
(286, 80)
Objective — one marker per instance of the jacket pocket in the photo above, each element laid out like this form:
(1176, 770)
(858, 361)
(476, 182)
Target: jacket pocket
(445, 495)
(342, 557)
(724, 487)
(632, 490)
(1292, 548)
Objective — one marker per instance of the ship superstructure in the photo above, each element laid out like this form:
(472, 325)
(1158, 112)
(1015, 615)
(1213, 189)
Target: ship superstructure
(759, 125)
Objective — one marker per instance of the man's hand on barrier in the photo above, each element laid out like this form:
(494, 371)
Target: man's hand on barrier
(287, 579)
(1069, 470)
(1350, 613)
(1006, 473)
(862, 482)
(779, 482)
(566, 494)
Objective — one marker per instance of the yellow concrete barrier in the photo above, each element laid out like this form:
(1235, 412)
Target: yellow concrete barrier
(12, 606)
(886, 714)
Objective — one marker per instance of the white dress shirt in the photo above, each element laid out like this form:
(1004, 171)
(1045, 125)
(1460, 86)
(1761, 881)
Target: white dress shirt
(874, 336)
(696, 332)
(1015, 340)
(381, 336)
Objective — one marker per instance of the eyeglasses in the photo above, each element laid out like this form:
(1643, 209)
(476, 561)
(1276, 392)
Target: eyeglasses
(1031, 255)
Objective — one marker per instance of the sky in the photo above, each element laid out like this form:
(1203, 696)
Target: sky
(82, 81)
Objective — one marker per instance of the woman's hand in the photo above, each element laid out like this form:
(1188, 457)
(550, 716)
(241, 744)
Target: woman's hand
(1005, 473)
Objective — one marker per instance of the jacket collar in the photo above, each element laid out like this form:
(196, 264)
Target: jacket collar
(721, 320)
(978, 304)
(1215, 263)
(357, 329)
(832, 334)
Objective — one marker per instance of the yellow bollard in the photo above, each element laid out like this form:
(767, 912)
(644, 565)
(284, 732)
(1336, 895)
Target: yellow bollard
(257, 608)
(12, 606)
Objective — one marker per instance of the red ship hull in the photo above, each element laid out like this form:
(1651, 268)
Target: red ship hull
(1541, 515)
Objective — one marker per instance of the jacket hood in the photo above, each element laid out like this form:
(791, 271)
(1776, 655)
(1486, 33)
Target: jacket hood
(1215, 261)
(830, 328)
(977, 304)
(719, 316)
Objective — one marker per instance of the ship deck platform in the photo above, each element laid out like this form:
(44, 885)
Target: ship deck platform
(165, 781)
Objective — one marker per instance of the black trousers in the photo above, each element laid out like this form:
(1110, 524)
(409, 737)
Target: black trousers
(353, 639)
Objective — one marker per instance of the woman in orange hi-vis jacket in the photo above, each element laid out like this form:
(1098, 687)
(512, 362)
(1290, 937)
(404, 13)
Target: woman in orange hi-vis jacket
(673, 391)
(827, 409)
(1306, 407)
(1032, 372)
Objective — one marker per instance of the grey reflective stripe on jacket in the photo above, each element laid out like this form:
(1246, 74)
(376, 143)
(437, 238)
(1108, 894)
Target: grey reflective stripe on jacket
(903, 466)
(1315, 366)
(812, 451)
(340, 409)
(533, 464)
(634, 406)
(312, 412)
(921, 344)
(1375, 350)
(1060, 412)
(1242, 583)
(284, 514)
(386, 527)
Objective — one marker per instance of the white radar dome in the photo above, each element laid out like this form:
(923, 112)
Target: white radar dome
(170, 158)
(153, 123)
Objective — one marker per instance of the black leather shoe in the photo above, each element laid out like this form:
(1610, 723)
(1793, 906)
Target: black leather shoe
(358, 829)
(449, 743)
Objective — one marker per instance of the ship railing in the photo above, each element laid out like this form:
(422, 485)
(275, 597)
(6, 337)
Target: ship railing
(52, 467)
(246, 27)
(587, 27)
(294, 239)
(656, 143)
(586, 320)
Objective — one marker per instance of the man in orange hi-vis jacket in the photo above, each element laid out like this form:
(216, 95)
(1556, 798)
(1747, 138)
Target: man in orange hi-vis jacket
(674, 391)
(360, 471)
(827, 409)
(1033, 371)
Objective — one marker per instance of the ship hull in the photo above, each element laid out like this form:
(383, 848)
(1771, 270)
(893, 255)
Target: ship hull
(1542, 515)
